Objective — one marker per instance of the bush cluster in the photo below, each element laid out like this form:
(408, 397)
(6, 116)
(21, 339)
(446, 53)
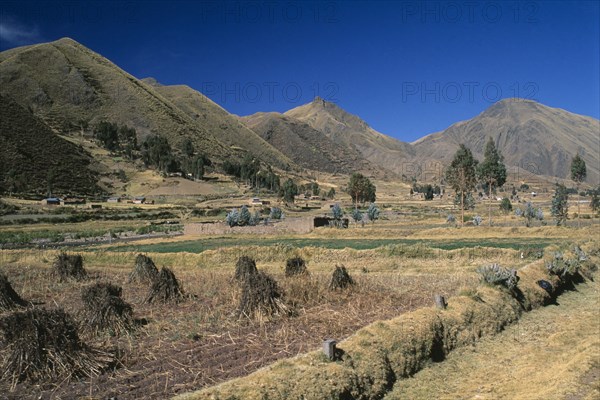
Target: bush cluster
(495, 274)
(564, 268)
(242, 217)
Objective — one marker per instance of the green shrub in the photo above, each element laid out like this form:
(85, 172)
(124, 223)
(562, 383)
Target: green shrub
(373, 212)
(494, 274)
(337, 212)
(276, 213)
(233, 217)
(564, 268)
(357, 215)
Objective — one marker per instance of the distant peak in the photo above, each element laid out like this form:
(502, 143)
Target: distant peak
(67, 40)
(515, 101)
(151, 81)
(318, 100)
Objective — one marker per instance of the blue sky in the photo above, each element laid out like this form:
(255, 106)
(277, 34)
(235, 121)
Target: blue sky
(408, 68)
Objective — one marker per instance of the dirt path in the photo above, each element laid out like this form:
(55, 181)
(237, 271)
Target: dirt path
(552, 353)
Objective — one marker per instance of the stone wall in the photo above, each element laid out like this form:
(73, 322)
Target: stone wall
(288, 225)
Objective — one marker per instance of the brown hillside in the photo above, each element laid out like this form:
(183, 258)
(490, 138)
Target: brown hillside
(345, 128)
(530, 135)
(306, 146)
(31, 154)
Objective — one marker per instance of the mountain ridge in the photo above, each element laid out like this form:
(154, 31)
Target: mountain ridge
(530, 135)
(66, 85)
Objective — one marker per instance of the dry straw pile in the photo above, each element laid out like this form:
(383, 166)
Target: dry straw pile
(105, 310)
(144, 271)
(165, 288)
(340, 279)
(245, 267)
(295, 266)
(261, 297)
(9, 299)
(44, 345)
(69, 266)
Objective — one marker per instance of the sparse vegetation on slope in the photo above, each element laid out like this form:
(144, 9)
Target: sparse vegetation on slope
(34, 160)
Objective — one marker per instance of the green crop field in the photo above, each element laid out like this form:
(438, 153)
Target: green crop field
(200, 245)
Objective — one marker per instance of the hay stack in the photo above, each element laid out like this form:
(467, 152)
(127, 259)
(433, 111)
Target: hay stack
(295, 266)
(261, 297)
(165, 288)
(69, 266)
(340, 278)
(9, 299)
(45, 345)
(145, 270)
(244, 268)
(105, 310)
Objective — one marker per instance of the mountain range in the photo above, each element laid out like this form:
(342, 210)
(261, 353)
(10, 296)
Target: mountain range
(67, 88)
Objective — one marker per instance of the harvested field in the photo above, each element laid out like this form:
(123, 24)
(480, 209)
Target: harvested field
(178, 347)
(201, 341)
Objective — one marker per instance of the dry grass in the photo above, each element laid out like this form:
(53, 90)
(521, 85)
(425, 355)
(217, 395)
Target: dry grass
(544, 356)
(201, 342)
(378, 355)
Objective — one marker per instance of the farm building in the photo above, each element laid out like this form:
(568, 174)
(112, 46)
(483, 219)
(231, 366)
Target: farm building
(139, 200)
(113, 200)
(51, 201)
(70, 201)
(255, 201)
(326, 221)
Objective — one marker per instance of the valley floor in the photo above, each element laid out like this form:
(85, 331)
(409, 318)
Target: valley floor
(552, 353)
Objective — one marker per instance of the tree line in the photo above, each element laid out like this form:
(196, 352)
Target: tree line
(465, 172)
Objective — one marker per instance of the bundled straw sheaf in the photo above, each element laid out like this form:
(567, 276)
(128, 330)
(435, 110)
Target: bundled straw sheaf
(105, 310)
(44, 345)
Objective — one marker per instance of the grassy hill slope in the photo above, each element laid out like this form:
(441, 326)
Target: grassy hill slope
(348, 129)
(218, 121)
(31, 155)
(70, 86)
